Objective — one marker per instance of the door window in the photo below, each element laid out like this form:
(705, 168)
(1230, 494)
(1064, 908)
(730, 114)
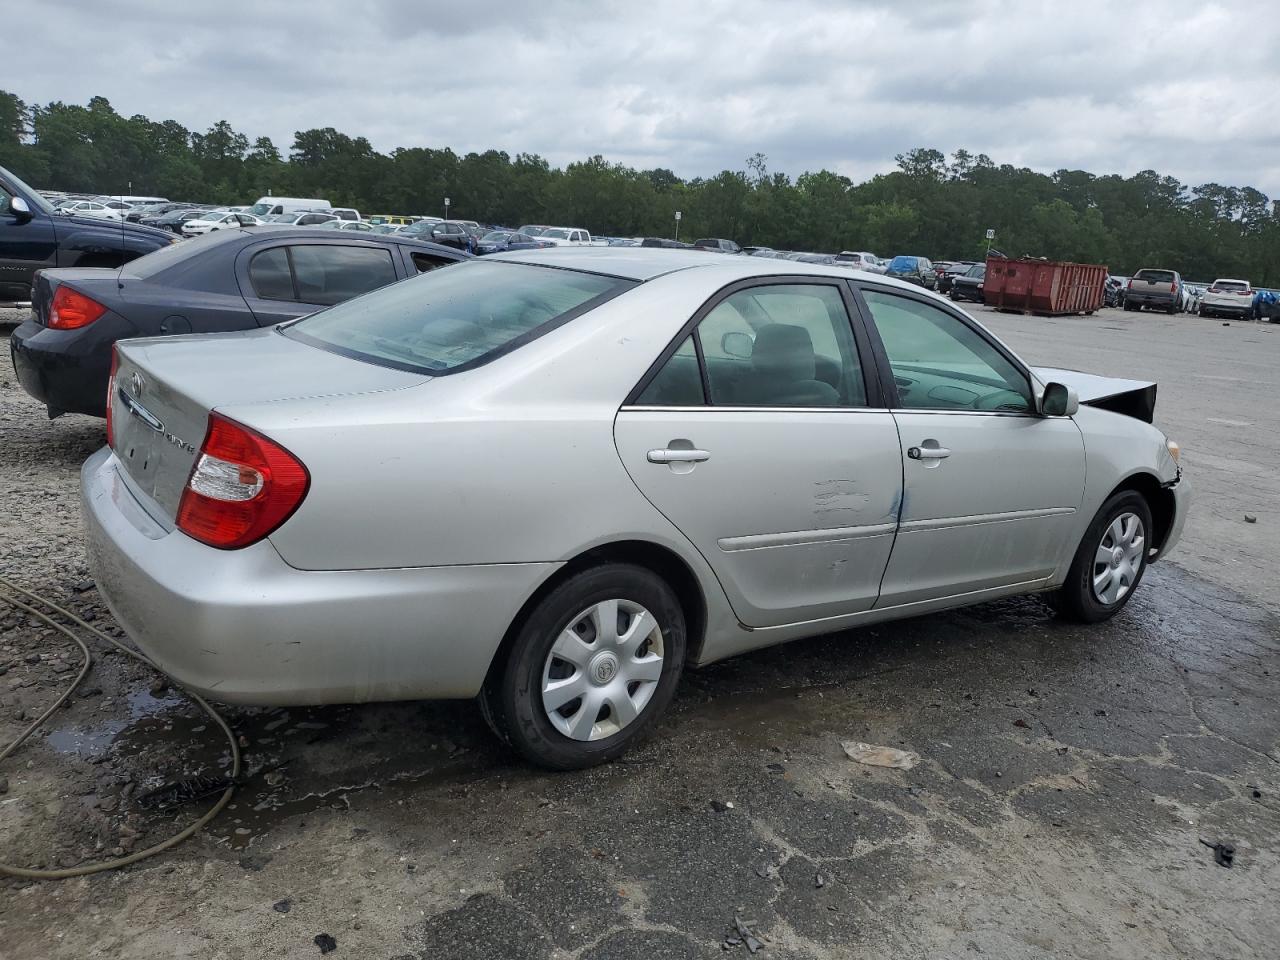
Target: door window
(329, 273)
(941, 363)
(270, 276)
(786, 345)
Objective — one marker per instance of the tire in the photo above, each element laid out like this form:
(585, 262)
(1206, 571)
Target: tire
(952, 295)
(1202, 312)
(512, 699)
(1078, 599)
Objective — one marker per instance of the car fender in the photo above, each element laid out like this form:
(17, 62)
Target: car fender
(1117, 448)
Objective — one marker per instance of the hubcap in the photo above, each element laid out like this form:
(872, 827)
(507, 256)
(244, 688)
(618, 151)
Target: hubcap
(1118, 559)
(602, 670)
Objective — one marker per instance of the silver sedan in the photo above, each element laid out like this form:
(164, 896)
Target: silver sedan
(554, 479)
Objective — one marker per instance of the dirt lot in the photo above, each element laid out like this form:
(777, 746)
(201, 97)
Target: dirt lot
(1068, 775)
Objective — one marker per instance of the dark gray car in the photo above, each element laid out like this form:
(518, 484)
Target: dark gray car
(235, 279)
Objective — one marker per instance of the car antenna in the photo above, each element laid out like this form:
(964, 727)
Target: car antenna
(123, 242)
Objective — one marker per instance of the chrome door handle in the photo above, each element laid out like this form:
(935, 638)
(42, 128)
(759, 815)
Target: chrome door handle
(678, 456)
(928, 453)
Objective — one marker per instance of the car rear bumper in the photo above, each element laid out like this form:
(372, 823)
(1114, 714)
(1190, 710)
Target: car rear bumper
(243, 626)
(1150, 299)
(1241, 309)
(67, 370)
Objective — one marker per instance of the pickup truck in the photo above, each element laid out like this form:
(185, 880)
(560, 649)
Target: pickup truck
(1227, 298)
(568, 237)
(1154, 288)
(33, 235)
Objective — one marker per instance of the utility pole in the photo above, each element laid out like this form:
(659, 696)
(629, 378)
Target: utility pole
(446, 208)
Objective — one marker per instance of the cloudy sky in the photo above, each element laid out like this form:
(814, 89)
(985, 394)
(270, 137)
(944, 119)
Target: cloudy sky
(1186, 87)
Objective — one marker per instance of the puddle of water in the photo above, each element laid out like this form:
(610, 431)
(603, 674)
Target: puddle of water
(97, 739)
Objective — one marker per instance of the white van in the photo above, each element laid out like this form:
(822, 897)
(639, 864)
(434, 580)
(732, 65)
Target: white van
(266, 206)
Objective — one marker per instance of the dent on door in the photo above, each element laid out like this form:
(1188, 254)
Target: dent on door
(795, 512)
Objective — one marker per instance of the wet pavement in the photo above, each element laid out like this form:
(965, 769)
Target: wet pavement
(1068, 777)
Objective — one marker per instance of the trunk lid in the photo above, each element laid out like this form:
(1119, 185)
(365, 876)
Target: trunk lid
(100, 283)
(165, 388)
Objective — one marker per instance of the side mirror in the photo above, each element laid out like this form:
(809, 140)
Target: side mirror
(1059, 400)
(20, 209)
(737, 344)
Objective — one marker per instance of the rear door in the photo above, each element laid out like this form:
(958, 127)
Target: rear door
(285, 279)
(990, 488)
(761, 435)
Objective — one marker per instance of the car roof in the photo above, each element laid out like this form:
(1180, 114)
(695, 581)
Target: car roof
(648, 263)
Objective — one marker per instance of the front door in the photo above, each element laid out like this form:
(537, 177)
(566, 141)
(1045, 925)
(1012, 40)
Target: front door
(989, 487)
(763, 439)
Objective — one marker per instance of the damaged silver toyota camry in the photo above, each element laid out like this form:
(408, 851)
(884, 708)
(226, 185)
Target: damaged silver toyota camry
(553, 479)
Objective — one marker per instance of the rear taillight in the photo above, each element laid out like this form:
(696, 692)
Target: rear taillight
(242, 487)
(111, 392)
(71, 309)
(1129, 285)
(1173, 288)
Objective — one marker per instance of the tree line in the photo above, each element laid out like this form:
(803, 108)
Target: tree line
(931, 205)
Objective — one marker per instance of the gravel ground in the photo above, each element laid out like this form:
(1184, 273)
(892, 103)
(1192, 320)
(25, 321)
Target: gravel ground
(1068, 774)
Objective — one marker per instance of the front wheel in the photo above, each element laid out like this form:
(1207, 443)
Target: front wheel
(1110, 561)
(591, 669)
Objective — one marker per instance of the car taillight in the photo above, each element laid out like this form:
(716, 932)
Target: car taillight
(1129, 285)
(1173, 288)
(242, 487)
(111, 392)
(72, 309)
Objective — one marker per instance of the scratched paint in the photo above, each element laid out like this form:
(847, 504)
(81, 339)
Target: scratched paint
(838, 496)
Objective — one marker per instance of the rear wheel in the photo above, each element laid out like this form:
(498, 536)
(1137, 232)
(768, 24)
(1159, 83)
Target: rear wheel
(592, 668)
(1110, 561)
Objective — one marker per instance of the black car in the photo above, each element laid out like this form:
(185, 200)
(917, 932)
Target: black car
(717, 244)
(148, 211)
(660, 242)
(450, 233)
(968, 285)
(952, 270)
(173, 219)
(33, 236)
(496, 241)
(226, 280)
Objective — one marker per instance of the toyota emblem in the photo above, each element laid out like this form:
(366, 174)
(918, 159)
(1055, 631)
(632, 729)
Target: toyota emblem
(135, 383)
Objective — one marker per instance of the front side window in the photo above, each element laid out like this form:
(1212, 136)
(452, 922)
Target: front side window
(941, 363)
(447, 319)
(784, 345)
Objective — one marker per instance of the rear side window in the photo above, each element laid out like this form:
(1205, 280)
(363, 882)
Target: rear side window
(269, 274)
(328, 274)
(678, 383)
(448, 320)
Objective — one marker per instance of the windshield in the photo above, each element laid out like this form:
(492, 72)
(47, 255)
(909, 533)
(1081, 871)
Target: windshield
(455, 317)
(978, 270)
(902, 264)
(497, 236)
(281, 218)
(37, 201)
(555, 234)
(530, 231)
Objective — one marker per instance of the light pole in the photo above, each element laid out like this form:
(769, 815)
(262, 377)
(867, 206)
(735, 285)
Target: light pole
(677, 224)
(446, 208)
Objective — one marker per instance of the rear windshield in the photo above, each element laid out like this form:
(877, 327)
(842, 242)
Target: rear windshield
(1155, 276)
(455, 318)
(1231, 285)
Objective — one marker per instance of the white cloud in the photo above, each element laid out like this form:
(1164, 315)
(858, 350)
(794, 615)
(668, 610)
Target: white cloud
(1181, 86)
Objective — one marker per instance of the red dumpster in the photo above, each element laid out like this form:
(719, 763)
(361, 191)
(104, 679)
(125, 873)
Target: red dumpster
(1046, 287)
